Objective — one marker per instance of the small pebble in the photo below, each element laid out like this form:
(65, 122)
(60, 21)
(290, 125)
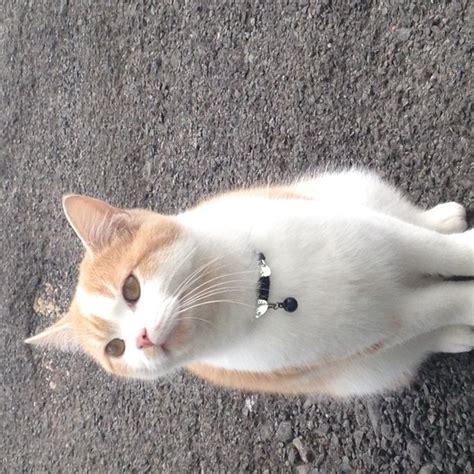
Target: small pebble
(292, 455)
(386, 431)
(334, 443)
(323, 429)
(373, 407)
(415, 451)
(266, 431)
(358, 435)
(303, 451)
(302, 469)
(413, 425)
(427, 469)
(319, 460)
(284, 432)
(403, 34)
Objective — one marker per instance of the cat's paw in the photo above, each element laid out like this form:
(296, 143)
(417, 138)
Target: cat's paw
(447, 218)
(457, 339)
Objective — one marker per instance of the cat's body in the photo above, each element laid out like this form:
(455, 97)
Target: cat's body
(365, 266)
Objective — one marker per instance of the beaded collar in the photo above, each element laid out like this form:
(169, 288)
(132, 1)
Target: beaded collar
(263, 292)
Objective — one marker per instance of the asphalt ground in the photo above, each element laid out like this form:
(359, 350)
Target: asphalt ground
(158, 104)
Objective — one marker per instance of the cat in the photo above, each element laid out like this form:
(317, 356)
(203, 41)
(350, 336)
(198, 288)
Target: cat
(367, 273)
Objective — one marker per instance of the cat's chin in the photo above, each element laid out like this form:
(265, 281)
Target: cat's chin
(162, 367)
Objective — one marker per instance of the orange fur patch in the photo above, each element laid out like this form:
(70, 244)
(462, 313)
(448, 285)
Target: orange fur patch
(92, 332)
(317, 378)
(275, 192)
(288, 381)
(149, 232)
(271, 192)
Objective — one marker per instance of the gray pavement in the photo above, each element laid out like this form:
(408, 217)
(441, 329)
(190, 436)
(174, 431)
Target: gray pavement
(156, 104)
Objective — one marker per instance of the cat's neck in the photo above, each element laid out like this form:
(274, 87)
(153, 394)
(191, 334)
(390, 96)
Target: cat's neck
(229, 278)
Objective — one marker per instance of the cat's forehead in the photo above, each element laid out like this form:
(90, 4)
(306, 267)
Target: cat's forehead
(140, 251)
(93, 305)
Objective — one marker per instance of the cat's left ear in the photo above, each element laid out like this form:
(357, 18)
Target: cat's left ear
(95, 222)
(60, 335)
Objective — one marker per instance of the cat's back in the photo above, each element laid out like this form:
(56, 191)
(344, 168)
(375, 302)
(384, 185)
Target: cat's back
(346, 186)
(245, 196)
(358, 189)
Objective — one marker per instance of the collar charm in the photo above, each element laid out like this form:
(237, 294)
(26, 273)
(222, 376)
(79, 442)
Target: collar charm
(288, 304)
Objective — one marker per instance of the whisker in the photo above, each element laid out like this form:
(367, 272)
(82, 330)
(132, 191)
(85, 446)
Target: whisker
(188, 281)
(215, 286)
(224, 286)
(196, 319)
(178, 267)
(193, 276)
(213, 292)
(212, 302)
(220, 277)
(201, 271)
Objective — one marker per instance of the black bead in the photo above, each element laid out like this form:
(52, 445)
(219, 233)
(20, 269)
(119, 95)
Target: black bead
(290, 304)
(263, 288)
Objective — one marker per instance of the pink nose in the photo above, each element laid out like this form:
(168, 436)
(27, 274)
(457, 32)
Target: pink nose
(143, 340)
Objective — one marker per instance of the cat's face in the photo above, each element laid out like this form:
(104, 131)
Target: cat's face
(126, 312)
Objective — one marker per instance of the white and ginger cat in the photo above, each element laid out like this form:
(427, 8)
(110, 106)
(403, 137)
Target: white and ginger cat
(370, 272)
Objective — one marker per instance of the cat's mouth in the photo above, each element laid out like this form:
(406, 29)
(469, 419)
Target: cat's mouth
(169, 339)
(164, 346)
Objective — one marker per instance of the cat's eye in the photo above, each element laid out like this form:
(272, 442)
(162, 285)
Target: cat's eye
(115, 348)
(131, 289)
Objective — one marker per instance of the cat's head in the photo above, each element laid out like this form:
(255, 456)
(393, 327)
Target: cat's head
(126, 312)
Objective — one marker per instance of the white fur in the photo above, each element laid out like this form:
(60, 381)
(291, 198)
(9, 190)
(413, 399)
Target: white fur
(363, 264)
(109, 309)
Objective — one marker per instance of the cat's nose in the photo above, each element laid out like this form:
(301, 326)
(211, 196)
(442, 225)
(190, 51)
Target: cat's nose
(143, 340)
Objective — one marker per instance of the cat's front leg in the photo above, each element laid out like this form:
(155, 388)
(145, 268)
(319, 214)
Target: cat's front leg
(431, 258)
(447, 218)
(436, 305)
(427, 253)
(394, 366)
(456, 339)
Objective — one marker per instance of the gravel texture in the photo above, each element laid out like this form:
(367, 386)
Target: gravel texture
(157, 104)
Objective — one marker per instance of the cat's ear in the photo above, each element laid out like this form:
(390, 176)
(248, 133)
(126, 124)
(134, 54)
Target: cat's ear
(60, 335)
(94, 221)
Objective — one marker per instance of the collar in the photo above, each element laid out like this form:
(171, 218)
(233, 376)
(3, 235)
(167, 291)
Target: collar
(263, 291)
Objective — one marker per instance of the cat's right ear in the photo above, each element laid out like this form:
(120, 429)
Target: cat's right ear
(95, 222)
(60, 335)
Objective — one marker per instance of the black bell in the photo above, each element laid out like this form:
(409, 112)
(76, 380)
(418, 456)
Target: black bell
(290, 304)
